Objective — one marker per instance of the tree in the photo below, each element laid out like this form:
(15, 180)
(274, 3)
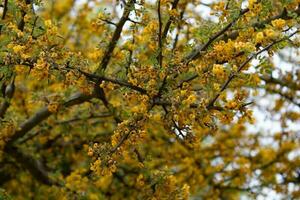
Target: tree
(139, 99)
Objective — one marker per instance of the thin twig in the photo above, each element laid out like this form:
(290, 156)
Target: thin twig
(198, 50)
(160, 46)
(4, 9)
(168, 24)
(117, 33)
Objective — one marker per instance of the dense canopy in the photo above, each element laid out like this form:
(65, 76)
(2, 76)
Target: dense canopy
(149, 99)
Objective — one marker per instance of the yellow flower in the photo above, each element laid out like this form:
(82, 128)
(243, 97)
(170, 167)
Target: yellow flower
(270, 33)
(251, 3)
(112, 168)
(259, 37)
(183, 92)
(48, 23)
(192, 116)
(41, 64)
(140, 108)
(18, 48)
(27, 18)
(115, 139)
(190, 100)
(231, 104)
(216, 86)
(278, 23)
(267, 154)
(95, 145)
(95, 166)
(20, 34)
(151, 27)
(90, 152)
(116, 102)
(173, 13)
(156, 117)
(185, 191)
(25, 56)
(140, 180)
(218, 70)
(255, 78)
(53, 107)
(249, 116)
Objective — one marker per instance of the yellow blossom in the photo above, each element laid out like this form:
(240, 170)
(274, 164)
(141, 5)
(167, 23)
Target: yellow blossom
(216, 86)
(90, 152)
(48, 23)
(53, 107)
(231, 104)
(185, 191)
(278, 23)
(18, 48)
(140, 180)
(259, 37)
(190, 100)
(173, 13)
(270, 33)
(41, 64)
(218, 70)
(156, 117)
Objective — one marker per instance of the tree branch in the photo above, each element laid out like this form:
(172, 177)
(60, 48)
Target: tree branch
(43, 114)
(99, 78)
(160, 46)
(117, 33)
(4, 9)
(197, 51)
(8, 94)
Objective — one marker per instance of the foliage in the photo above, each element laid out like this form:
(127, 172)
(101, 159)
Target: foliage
(137, 99)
